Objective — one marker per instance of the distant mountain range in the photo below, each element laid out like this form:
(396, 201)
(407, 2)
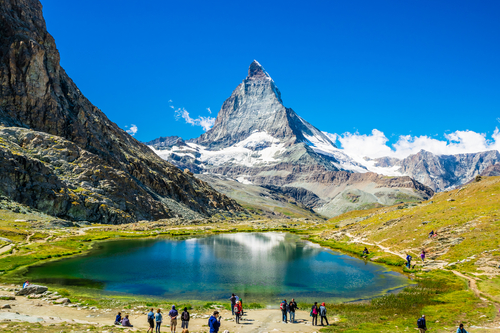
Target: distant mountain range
(257, 140)
(61, 155)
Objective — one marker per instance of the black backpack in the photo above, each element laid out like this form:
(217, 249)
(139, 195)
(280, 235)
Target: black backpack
(185, 315)
(420, 323)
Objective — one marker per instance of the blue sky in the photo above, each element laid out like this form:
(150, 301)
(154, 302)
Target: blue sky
(402, 67)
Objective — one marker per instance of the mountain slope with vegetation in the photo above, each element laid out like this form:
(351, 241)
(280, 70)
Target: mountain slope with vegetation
(62, 155)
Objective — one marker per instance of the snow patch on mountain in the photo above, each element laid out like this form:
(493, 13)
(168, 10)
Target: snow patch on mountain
(258, 149)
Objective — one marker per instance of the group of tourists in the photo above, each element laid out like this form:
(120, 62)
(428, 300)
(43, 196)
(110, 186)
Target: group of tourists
(409, 258)
(157, 317)
(236, 307)
(288, 310)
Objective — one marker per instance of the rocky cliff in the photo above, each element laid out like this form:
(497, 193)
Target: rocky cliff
(62, 155)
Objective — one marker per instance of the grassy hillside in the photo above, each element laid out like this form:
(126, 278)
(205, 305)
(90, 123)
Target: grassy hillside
(460, 278)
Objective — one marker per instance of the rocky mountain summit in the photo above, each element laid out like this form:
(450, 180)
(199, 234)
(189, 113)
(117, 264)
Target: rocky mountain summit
(442, 172)
(61, 155)
(257, 140)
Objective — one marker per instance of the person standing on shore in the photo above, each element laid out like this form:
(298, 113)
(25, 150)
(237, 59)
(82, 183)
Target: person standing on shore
(151, 320)
(421, 324)
(314, 314)
(185, 319)
(159, 318)
(173, 318)
(283, 306)
(233, 302)
(237, 311)
(408, 260)
(293, 306)
(322, 313)
(213, 323)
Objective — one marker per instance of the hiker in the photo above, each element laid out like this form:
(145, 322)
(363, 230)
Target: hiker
(126, 322)
(431, 233)
(118, 319)
(233, 302)
(173, 318)
(461, 329)
(365, 252)
(408, 260)
(322, 313)
(283, 306)
(159, 318)
(293, 306)
(237, 311)
(185, 319)
(422, 326)
(422, 255)
(213, 323)
(314, 314)
(25, 284)
(151, 320)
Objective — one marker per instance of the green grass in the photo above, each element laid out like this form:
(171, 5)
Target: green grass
(441, 296)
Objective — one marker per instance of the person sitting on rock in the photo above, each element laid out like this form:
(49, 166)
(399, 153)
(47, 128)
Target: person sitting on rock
(25, 284)
(461, 329)
(431, 233)
(365, 252)
(126, 322)
(118, 319)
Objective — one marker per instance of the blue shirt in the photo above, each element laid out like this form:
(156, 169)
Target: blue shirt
(151, 315)
(214, 324)
(158, 317)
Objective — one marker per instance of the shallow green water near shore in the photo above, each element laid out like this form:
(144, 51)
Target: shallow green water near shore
(258, 267)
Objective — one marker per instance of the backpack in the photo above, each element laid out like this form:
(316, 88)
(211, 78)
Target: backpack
(185, 315)
(315, 311)
(283, 306)
(236, 309)
(420, 323)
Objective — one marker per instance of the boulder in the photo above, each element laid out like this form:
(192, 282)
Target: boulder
(32, 289)
(63, 300)
(5, 306)
(7, 298)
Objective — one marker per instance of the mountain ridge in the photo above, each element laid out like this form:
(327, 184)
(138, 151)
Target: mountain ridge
(257, 140)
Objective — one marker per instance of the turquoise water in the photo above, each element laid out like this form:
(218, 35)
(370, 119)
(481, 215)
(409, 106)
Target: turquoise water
(258, 267)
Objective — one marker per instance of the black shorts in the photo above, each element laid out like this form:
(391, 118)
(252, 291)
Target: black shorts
(151, 323)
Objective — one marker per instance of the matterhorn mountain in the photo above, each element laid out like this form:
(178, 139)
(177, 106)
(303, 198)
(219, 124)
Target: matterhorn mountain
(261, 144)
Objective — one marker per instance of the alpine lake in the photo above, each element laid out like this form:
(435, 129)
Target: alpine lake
(258, 267)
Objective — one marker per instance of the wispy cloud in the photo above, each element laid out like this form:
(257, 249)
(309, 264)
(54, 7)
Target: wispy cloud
(375, 144)
(132, 130)
(209, 111)
(205, 122)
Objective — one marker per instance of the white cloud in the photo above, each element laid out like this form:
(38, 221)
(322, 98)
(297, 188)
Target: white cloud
(132, 130)
(209, 111)
(205, 122)
(375, 144)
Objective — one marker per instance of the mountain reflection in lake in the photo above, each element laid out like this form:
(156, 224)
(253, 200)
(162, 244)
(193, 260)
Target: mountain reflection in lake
(258, 267)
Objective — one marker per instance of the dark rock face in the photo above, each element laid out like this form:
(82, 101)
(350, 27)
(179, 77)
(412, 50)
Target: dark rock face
(492, 170)
(308, 198)
(50, 123)
(166, 141)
